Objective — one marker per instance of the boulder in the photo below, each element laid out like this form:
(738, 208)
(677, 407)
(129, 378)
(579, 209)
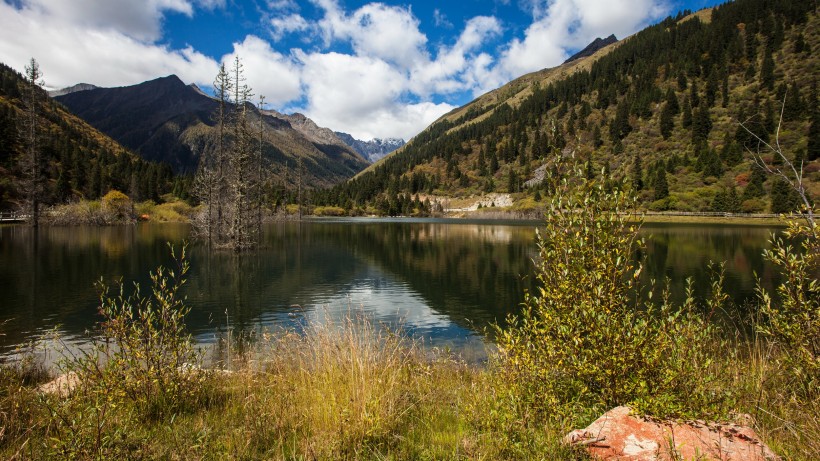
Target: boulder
(620, 435)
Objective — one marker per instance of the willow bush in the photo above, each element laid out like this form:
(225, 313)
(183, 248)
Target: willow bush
(591, 337)
(794, 321)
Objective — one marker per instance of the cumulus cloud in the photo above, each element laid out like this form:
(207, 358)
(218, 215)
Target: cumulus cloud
(390, 33)
(141, 20)
(363, 96)
(268, 72)
(446, 73)
(283, 25)
(92, 50)
(561, 25)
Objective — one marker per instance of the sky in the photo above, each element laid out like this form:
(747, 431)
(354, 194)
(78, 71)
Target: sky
(371, 69)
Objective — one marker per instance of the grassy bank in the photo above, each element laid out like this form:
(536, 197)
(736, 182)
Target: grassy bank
(354, 391)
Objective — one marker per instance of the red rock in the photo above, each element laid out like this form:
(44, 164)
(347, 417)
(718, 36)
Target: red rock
(619, 435)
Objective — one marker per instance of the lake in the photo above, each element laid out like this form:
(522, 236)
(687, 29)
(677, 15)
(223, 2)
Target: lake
(442, 280)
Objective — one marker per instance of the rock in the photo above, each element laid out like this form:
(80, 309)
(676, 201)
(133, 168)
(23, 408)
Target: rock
(619, 435)
(61, 386)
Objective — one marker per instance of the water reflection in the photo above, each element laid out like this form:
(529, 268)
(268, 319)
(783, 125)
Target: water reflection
(442, 280)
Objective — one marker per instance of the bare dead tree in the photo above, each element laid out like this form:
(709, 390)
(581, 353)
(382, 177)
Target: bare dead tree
(259, 167)
(210, 183)
(31, 161)
(789, 172)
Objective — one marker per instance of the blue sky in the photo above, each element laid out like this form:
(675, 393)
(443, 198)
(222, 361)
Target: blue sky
(373, 69)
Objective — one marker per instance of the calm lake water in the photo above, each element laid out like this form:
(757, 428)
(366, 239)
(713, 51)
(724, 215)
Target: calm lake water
(443, 280)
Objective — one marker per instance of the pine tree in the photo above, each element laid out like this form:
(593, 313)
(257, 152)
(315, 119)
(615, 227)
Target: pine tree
(620, 127)
(724, 90)
(597, 141)
(637, 173)
(755, 187)
(813, 147)
(701, 125)
(672, 101)
(512, 181)
(661, 186)
(719, 201)
(784, 197)
(686, 118)
(767, 71)
(667, 121)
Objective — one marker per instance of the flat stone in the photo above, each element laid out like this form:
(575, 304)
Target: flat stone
(61, 386)
(620, 435)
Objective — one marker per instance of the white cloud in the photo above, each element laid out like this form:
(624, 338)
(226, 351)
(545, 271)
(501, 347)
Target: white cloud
(440, 19)
(283, 25)
(211, 4)
(362, 96)
(389, 33)
(446, 73)
(282, 5)
(100, 54)
(561, 25)
(268, 72)
(141, 20)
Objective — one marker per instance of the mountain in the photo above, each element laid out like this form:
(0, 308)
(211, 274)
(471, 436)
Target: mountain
(373, 150)
(166, 120)
(79, 160)
(72, 89)
(590, 49)
(661, 108)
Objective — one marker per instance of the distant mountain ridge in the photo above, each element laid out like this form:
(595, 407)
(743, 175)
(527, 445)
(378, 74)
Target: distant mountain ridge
(166, 120)
(373, 150)
(72, 89)
(590, 49)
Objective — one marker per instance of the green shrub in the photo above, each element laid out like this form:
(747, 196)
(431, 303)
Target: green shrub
(144, 354)
(117, 206)
(329, 211)
(792, 318)
(589, 338)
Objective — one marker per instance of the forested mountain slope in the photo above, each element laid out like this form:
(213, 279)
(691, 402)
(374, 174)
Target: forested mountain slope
(79, 161)
(166, 120)
(662, 107)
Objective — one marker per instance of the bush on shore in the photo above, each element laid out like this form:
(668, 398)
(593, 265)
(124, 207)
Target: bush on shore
(114, 208)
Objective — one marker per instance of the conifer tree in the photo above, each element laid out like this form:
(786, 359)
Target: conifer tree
(767, 71)
(637, 173)
(661, 186)
(667, 121)
(755, 187)
(701, 125)
(813, 148)
(686, 118)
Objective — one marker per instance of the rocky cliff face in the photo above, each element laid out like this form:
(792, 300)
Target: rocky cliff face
(372, 150)
(309, 128)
